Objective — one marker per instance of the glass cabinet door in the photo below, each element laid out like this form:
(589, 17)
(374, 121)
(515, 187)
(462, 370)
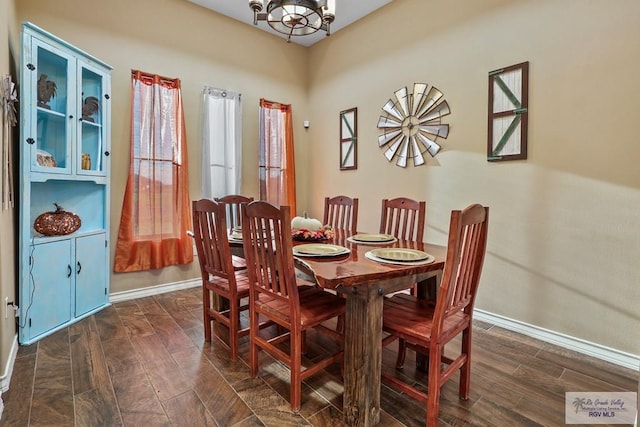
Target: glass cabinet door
(51, 144)
(91, 133)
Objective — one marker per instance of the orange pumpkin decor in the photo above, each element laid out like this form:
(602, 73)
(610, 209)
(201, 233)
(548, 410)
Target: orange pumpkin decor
(57, 223)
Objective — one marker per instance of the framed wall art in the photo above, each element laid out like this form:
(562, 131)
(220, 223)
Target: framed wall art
(349, 139)
(508, 113)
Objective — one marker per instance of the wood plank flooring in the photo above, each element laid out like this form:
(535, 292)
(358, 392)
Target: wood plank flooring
(145, 363)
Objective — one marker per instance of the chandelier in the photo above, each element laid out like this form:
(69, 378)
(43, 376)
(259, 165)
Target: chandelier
(295, 17)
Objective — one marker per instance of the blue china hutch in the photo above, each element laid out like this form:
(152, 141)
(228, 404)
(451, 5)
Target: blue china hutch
(65, 113)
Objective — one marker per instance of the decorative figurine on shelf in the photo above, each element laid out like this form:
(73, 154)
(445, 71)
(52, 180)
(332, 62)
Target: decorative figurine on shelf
(46, 91)
(89, 108)
(57, 223)
(86, 161)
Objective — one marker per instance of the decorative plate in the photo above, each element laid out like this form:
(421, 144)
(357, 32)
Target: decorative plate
(400, 254)
(372, 238)
(236, 235)
(319, 249)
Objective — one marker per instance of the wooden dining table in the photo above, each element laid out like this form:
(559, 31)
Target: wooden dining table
(364, 283)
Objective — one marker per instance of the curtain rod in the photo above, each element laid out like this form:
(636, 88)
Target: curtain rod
(151, 78)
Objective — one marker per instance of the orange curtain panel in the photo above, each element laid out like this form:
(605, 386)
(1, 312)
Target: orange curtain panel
(276, 172)
(156, 212)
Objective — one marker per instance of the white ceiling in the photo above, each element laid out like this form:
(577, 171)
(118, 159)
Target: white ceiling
(347, 12)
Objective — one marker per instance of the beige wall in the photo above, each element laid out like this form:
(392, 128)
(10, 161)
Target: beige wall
(8, 48)
(563, 244)
(564, 241)
(176, 38)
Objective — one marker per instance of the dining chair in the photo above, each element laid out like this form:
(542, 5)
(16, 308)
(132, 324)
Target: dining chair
(219, 277)
(341, 212)
(233, 202)
(277, 294)
(426, 326)
(403, 218)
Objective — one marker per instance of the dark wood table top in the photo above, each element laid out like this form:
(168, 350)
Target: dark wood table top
(355, 268)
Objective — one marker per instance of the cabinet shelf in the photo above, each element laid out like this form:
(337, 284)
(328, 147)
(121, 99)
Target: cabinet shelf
(39, 239)
(47, 112)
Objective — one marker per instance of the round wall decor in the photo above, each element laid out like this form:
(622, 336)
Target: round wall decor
(412, 124)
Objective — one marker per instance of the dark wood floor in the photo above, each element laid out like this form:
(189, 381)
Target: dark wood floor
(145, 363)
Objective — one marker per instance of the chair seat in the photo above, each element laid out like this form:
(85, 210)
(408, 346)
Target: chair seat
(222, 284)
(412, 319)
(316, 306)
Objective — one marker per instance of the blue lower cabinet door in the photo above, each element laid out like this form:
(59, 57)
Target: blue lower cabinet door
(91, 273)
(51, 276)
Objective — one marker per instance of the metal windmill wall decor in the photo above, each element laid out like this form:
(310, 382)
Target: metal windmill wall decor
(412, 123)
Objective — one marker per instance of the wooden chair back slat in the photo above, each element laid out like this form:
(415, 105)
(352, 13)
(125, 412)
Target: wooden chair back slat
(341, 212)
(403, 218)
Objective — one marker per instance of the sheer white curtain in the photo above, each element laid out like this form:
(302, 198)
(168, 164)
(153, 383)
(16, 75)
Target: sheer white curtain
(222, 143)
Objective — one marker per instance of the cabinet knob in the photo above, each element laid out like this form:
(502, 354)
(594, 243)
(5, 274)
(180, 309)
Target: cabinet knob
(69, 270)
(31, 141)
(106, 95)
(71, 116)
(79, 269)
(106, 153)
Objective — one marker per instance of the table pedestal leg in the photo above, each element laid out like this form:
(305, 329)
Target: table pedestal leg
(363, 356)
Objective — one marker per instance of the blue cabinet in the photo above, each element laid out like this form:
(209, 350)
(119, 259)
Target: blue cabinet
(64, 160)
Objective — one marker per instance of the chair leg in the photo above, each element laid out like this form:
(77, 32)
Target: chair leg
(433, 391)
(253, 347)
(402, 353)
(297, 340)
(206, 306)
(465, 370)
(233, 330)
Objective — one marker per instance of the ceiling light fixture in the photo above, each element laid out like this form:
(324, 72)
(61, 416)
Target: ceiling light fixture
(295, 17)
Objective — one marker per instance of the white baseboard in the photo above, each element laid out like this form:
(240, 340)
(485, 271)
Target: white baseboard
(154, 290)
(5, 379)
(598, 351)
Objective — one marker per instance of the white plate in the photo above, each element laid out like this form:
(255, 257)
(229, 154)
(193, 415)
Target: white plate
(235, 236)
(400, 254)
(428, 260)
(319, 249)
(371, 239)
